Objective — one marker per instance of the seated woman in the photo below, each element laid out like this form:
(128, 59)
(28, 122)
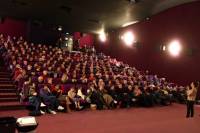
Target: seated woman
(64, 79)
(24, 93)
(74, 77)
(18, 73)
(49, 99)
(164, 96)
(83, 79)
(58, 92)
(75, 98)
(80, 93)
(35, 101)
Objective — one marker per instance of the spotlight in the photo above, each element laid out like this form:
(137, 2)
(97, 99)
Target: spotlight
(164, 48)
(128, 38)
(102, 37)
(174, 48)
(59, 28)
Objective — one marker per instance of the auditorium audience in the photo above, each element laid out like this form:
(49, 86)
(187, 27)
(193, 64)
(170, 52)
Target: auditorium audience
(82, 78)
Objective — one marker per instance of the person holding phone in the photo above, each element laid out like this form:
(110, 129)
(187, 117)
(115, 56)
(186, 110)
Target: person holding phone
(191, 97)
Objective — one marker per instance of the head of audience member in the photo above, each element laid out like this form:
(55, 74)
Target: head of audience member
(195, 84)
(40, 79)
(50, 80)
(46, 88)
(130, 88)
(64, 78)
(45, 72)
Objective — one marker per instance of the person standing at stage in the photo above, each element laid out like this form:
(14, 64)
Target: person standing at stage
(191, 97)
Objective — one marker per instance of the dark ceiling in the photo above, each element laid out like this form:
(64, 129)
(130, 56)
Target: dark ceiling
(85, 15)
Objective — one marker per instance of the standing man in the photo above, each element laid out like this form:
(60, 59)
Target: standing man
(191, 97)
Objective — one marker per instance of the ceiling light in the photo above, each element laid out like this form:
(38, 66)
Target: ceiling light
(129, 23)
(59, 28)
(102, 37)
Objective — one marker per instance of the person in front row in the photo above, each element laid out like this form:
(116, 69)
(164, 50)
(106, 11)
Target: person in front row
(49, 99)
(75, 98)
(58, 92)
(35, 102)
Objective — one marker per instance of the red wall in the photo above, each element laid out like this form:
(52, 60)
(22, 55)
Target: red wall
(13, 27)
(84, 39)
(76, 35)
(181, 22)
(87, 40)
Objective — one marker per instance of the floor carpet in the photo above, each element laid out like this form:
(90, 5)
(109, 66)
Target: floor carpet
(169, 119)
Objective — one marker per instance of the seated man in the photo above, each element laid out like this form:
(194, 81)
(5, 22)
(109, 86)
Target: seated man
(109, 102)
(94, 97)
(130, 99)
(58, 92)
(50, 99)
(120, 94)
(138, 95)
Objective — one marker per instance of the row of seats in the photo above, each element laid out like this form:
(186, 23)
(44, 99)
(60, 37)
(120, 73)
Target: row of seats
(44, 65)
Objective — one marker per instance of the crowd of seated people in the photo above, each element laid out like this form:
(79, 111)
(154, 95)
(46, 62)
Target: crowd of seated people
(76, 80)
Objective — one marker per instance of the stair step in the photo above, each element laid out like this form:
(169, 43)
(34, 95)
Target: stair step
(8, 86)
(7, 95)
(5, 73)
(10, 103)
(4, 70)
(8, 99)
(6, 82)
(5, 79)
(5, 76)
(11, 106)
(5, 90)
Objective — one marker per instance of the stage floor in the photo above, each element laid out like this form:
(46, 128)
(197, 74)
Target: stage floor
(169, 119)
